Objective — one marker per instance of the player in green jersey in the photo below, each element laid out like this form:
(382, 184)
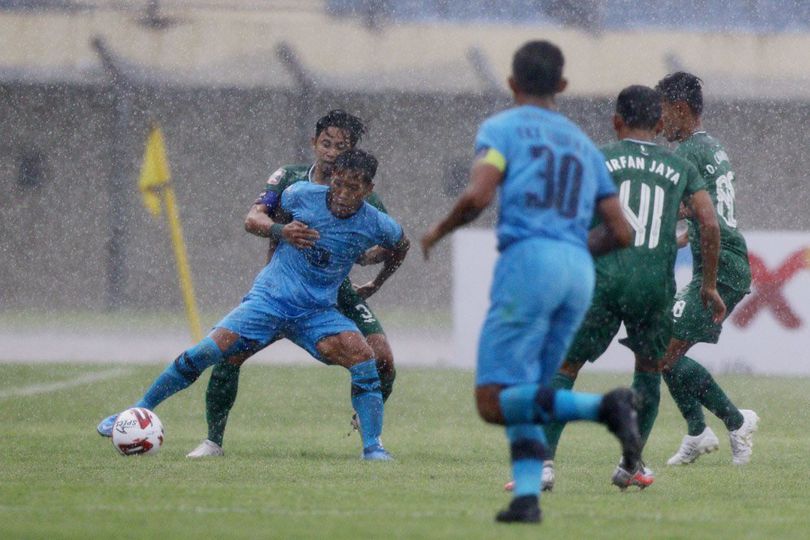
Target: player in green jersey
(635, 285)
(690, 384)
(335, 133)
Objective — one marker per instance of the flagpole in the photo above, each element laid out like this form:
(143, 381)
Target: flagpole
(183, 269)
(155, 186)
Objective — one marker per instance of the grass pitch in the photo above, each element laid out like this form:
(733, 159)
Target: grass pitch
(290, 471)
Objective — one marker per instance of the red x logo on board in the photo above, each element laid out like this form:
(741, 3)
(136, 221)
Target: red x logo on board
(767, 290)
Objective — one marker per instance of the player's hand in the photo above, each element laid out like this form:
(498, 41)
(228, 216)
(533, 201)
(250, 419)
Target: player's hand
(429, 240)
(712, 300)
(684, 212)
(365, 291)
(299, 235)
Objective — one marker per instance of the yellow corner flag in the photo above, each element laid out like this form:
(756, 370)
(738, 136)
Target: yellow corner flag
(154, 172)
(155, 185)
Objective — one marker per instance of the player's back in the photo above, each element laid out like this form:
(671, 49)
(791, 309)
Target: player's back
(652, 181)
(553, 175)
(711, 160)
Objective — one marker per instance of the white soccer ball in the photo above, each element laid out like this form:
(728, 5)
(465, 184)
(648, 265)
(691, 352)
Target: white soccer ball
(137, 431)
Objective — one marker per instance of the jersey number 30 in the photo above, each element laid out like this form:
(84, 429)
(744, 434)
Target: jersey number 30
(647, 217)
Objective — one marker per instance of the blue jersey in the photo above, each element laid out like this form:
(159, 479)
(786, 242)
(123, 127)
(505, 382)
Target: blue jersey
(553, 175)
(299, 281)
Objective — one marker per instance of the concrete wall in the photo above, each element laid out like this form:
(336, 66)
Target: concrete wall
(222, 144)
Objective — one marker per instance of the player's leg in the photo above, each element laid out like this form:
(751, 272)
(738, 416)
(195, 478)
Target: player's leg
(250, 320)
(220, 396)
(350, 304)
(692, 386)
(335, 340)
(180, 374)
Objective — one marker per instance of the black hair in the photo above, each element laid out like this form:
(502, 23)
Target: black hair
(342, 120)
(682, 86)
(639, 106)
(357, 160)
(537, 68)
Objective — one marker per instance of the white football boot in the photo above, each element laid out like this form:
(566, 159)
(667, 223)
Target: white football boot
(742, 438)
(206, 449)
(693, 447)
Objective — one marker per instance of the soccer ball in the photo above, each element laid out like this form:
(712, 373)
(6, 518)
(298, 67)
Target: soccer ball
(137, 431)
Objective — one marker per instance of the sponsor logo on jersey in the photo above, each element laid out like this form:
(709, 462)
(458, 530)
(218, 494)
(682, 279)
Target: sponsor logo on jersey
(276, 177)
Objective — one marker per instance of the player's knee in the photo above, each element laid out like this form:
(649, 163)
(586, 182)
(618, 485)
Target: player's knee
(489, 408)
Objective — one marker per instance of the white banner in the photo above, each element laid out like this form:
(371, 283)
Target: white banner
(768, 332)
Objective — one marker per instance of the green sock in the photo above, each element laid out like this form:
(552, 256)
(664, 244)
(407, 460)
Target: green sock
(387, 383)
(648, 389)
(219, 398)
(554, 429)
(715, 400)
(681, 379)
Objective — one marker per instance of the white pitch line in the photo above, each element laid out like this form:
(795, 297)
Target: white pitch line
(36, 389)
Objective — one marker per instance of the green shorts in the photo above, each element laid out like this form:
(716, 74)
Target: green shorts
(350, 304)
(692, 321)
(642, 305)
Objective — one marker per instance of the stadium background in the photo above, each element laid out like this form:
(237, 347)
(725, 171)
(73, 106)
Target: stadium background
(237, 86)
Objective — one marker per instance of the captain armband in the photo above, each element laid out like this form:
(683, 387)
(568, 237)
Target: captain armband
(270, 199)
(494, 158)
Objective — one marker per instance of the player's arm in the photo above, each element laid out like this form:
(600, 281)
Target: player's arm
(372, 256)
(391, 262)
(485, 177)
(260, 223)
(613, 232)
(701, 207)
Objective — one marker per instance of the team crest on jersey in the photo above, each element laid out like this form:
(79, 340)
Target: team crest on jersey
(276, 177)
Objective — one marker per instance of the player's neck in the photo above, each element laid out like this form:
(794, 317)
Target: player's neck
(692, 127)
(317, 176)
(546, 102)
(639, 135)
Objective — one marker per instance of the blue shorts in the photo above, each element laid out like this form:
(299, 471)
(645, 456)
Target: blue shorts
(255, 322)
(540, 293)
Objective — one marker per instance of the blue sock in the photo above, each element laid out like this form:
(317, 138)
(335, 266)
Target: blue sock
(367, 401)
(570, 405)
(182, 372)
(533, 404)
(528, 450)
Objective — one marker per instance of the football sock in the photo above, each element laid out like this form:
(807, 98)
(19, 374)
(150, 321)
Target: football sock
(367, 401)
(219, 399)
(648, 389)
(680, 379)
(181, 373)
(553, 430)
(711, 396)
(528, 450)
(535, 404)
(387, 383)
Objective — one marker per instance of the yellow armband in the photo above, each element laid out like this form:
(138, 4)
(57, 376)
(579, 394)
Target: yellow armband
(494, 158)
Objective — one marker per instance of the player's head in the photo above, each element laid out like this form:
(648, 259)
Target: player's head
(537, 70)
(335, 132)
(352, 181)
(682, 104)
(638, 108)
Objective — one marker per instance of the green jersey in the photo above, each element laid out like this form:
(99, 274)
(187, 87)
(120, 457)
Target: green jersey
(711, 160)
(652, 181)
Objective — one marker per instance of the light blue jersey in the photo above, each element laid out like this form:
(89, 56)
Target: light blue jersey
(543, 283)
(299, 281)
(553, 175)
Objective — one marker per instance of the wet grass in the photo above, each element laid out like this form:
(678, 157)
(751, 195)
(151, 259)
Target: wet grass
(290, 471)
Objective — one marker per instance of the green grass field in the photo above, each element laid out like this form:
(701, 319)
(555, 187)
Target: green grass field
(290, 471)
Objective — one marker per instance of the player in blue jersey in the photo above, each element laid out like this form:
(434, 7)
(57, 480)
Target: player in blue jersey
(551, 178)
(294, 296)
